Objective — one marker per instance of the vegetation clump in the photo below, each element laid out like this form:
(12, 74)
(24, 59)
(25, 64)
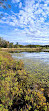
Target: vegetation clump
(16, 93)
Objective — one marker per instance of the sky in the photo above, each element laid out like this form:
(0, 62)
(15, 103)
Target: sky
(26, 22)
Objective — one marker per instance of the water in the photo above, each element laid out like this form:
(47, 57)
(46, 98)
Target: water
(36, 65)
(34, 60)
(37, 56)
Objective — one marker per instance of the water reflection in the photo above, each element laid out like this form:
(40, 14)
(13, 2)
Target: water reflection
(36, 65)
(42, 56)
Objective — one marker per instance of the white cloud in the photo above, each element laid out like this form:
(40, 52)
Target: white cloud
(31, 18)
(15, 1)
(20, 5)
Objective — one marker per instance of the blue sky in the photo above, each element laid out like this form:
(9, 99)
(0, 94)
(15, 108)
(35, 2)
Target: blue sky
(26, 22)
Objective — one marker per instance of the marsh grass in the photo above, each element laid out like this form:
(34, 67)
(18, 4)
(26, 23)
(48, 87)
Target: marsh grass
(21, 49)
(20, 86)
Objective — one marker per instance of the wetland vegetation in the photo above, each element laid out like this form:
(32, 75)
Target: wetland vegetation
(24, 81)
(10, 47)
(36, 64)
(21, 89)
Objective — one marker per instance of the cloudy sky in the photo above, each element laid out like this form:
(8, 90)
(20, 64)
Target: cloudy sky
(26, 22)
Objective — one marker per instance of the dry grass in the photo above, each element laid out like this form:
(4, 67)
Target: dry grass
(20, 49)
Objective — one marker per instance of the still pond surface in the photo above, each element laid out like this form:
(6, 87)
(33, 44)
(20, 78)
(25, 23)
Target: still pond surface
(37, 56)
(33, 60)
(36, 65)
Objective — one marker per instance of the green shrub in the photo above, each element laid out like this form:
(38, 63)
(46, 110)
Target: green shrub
(18, 90)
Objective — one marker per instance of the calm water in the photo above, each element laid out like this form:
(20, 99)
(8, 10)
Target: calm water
(36, 65)
(34, 56)
(33, 60)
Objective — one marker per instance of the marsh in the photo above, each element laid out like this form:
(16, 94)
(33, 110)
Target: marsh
(36, 64)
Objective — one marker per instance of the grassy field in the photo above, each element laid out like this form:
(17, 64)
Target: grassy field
(12, 50)
(21, 90)
(20, 49)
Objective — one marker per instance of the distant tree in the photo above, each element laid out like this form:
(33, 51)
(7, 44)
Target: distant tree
(3, 43)
(11, 45)
(0, 41)
(16, 43)
(21, 46)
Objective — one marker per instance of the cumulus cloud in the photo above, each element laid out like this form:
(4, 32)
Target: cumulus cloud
(33, 18)
(15, 1)
(20, 5)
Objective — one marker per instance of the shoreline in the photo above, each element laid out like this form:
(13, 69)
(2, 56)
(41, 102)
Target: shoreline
(17, 50)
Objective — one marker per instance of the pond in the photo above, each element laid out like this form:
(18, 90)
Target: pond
(41, 56)
(36, 64)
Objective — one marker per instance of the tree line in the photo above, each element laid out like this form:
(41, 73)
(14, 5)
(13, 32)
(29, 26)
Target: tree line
(7, 44)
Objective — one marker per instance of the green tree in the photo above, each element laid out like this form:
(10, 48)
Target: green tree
(11, 45)
(4, 43)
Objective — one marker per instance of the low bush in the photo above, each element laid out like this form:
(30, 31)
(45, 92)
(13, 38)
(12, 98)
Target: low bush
(15, 91)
